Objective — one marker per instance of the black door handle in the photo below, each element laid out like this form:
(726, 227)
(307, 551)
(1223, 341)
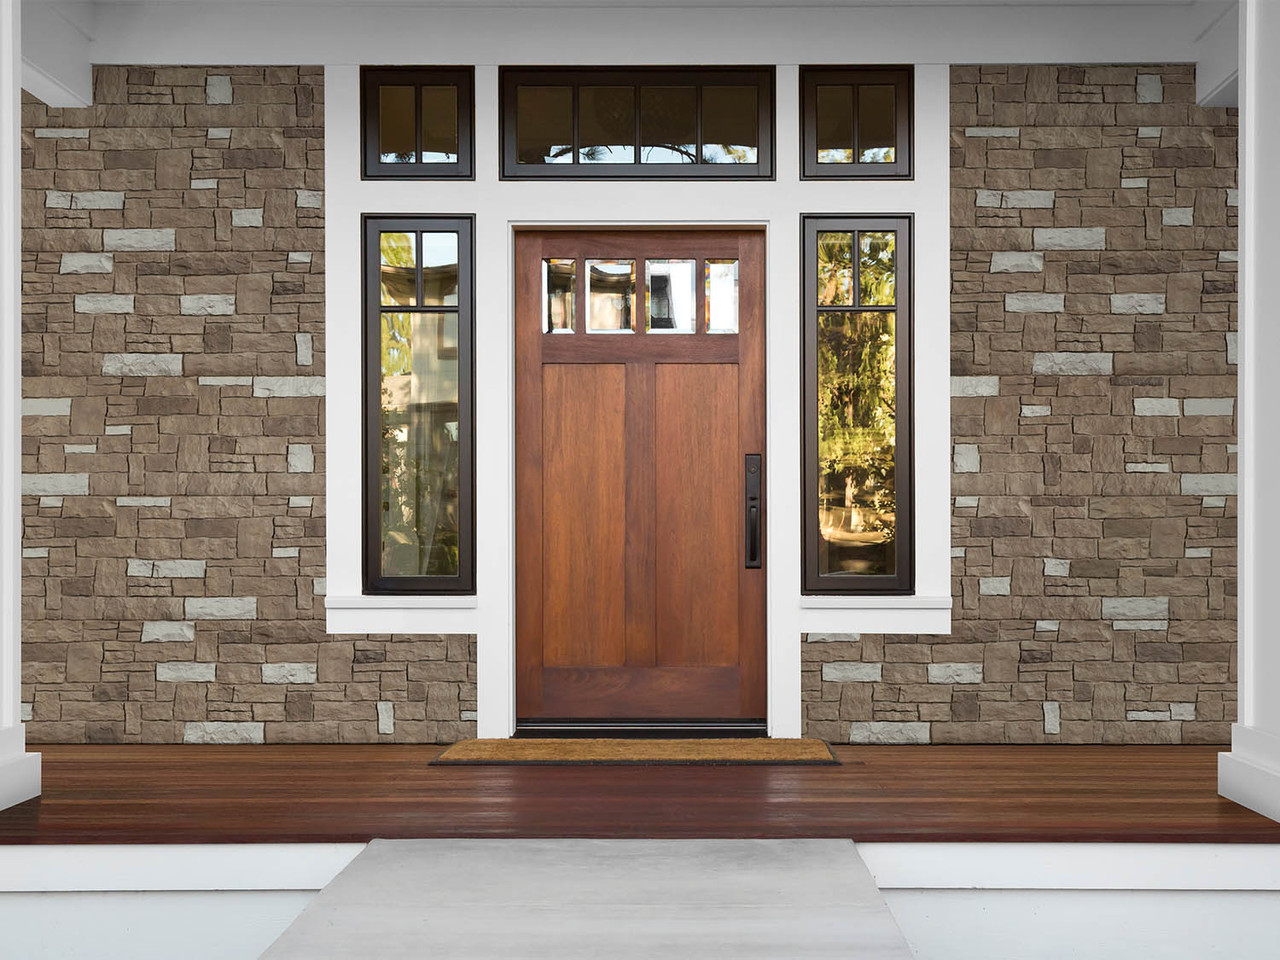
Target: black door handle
(753, 507)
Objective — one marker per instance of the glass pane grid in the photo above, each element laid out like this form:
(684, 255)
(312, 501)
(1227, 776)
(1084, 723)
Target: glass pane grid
(671, 296)
(611, 296)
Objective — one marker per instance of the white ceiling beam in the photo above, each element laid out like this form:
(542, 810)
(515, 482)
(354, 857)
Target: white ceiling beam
(56, 66)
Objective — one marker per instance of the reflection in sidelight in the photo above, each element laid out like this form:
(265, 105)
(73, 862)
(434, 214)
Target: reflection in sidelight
(558, 281)
(398, 271)
(419, 445)
(397, 138)
(877, 124)
(670, 290)
(440, 123)
(722, 296)
(668, 125)
(835, 270)
(877, 271)
(834, 123)
(730, 125)
(544, 124)
(606, 124)
(857, 451)
(440, 269)
(611, 296)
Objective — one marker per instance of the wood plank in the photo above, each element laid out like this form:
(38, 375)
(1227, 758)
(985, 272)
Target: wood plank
(653, 693)
(641, 557)
(629, 347)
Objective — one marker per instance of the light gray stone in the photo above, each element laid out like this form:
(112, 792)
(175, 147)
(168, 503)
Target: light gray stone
(975, 386)
(984, 198)
(1128, 626)
(1228, 256)
(1150, 88)
(221, 608)
(302, 502)
(86, 263)
(288, 386)
(104, 303)
(966, 501)
(62, 133)
(1017, 261)
(1132, 183)
(1004, 132)
(219, 133)
(1177, 216)
(1069, 364)
(1028, 199)
(386, 717)
(1233, 348)
(79, 448)
(299, 256)
(139, 568)
(1182, 711)
(831, 637)
(204, 184)
(247, 217)
(1054, 567)
(219, 731)
(288, 673)
(1052, 716)
(1208, 484)
(1156, 407)
(310, 199)
(888, 731)
(1209, 406)
(57, 200)
(1034, 302)
(55, 484)
(1233, 197)
(1140, 608)
(955, 673)
(1146, 467)
(1035, 410)
(1152, 716)
(208, 304)
(1137, 303)
(217, 89)
(303, 349)
(139, 240)
(26, 712)
(319, 586)
(226, 381)
(285, 552)
(1147, 133)
(301, 458)
(183, 671)
(56, 502)
(1204, 501)
(1198, 553)
(143, 501)
(1047, 626)
(994, 586)
(46, 406)
(966, 458)
(35, 553)
(1070, 238)
(851, 672)
(179, 569)
(142, 365)
(119, 429)
(168, 631)
(98, 200)
(958, 553)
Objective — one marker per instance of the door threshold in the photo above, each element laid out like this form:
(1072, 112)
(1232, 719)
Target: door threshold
(647, 729)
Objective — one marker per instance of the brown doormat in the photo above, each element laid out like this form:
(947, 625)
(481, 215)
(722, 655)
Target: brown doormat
(569, 751)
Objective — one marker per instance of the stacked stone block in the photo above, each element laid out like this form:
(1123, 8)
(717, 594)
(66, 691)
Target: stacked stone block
(1093, 424)
(173, 429)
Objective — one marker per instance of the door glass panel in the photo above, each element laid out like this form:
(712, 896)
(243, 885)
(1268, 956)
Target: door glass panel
(606, 125)
(558, 282)
(671, 291)
(835, 270)
(440, 269)
(419, 507)
(440, 124)
(834, 109)
(544, 124)
(722, 296)
(877, 125)
(398, 269)
(857, 453)
(730, 125)
(877, 270)
(397, 139)
(668, 125)
(611, 296)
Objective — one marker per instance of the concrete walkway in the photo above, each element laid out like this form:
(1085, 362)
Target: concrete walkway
(615, 899)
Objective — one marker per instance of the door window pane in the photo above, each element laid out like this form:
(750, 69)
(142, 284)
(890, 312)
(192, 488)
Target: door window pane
(611, 296)
(558, 306)
(877, 270)
(419, 445)
(730, 125)
(722, 296)
(440, 269)
(397, 140)
(834, 117)
(857, 444)
(877, 130)
(440, 124)
(668, 125)
(835, 270)
(544, 124)
(606, 125)
(399, 269)
(670, 288)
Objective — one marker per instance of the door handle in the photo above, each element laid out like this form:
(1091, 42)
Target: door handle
(753, 508)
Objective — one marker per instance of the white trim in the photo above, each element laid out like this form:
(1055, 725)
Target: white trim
(1250, 773)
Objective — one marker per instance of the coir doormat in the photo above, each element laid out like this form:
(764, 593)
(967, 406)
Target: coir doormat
(569, 751)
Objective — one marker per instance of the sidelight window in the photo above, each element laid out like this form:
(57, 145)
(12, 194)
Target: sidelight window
(856, 123)
(858, 530)
(417, 123)
(419, 483)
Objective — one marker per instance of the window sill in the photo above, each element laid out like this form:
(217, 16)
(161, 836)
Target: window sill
(871, 602)
(869, 614)
(394, 614)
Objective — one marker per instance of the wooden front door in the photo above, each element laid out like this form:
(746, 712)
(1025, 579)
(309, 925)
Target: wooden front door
(640, 419)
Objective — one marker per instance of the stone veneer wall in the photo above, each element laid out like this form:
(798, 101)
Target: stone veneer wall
(173, 430)
(1093, 423)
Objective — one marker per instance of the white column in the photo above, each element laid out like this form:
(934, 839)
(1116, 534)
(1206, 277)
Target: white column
(1250, 773)
(19, 770)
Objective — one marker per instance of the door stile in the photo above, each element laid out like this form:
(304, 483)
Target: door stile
(528, 505)
(641, 497)
(752, 616)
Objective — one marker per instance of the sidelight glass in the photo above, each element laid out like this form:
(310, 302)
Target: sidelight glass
(835, 270)
(877, 269)
(857, 443)
(611, 296)
(730, 124)
(834, 119)
(440, 269)
(722, 295)
(398, 275)
(558, 305)
(397, 138)
(439, 123)
(668, 124)
(877, 124)
(418, 435)
(544, 124)
(606, 124)
(671, 292)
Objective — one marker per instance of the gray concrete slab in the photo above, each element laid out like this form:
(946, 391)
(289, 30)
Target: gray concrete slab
(614, 899)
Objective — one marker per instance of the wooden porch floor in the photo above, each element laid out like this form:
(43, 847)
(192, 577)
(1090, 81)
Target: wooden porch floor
(208, 794)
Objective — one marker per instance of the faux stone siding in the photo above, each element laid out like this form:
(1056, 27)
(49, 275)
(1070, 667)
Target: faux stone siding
(173, 361)
(1093, 418)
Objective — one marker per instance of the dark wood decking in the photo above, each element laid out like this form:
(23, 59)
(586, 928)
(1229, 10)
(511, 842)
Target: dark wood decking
(126, 794)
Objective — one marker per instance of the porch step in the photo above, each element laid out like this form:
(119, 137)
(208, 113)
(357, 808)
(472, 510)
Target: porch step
(621, 899)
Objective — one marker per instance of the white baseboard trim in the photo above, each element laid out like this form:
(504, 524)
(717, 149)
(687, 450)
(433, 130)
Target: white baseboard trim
(1250, 773)
(19, 779)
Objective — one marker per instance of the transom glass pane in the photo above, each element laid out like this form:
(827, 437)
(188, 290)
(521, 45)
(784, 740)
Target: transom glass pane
(722, 296)
(877, 269)
(544, 124)
(668, 125)
(611, 296)
(399, 269)
(671, 291)
(730, 125)
(558, 306)
(877, 125)
(834, 116)
(606, 125)
(440, 269)
(418, 424)
(397, 138)
(835, 270)
(440, 124)
(857, 448)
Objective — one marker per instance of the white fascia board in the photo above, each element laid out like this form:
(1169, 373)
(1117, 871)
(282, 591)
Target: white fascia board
(55, 53)
(1218, 61)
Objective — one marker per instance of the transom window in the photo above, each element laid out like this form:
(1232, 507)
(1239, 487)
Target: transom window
(417, 123)
(648, 123)
(856, 122)
(858, 528)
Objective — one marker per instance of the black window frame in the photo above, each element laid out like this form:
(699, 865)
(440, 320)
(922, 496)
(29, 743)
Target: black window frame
(901, 77)
(760, 77)
(903, 581)
(374, 582)
(374, 77)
